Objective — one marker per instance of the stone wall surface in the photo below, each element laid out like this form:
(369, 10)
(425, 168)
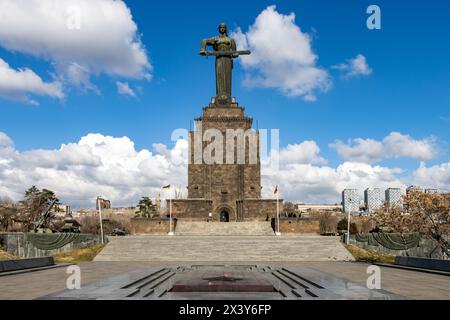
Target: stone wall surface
(191, 209)
(257, 209)
(151, 226)
(31, 245)
(299, 226)
(242, 210)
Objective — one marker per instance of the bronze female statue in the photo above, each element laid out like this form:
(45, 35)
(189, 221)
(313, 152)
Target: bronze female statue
(224, 49)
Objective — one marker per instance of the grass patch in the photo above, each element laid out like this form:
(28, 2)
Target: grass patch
(79, 255)
(6, 256)
(363, 255)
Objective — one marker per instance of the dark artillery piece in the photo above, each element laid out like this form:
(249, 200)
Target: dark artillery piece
(42, 224)
(38, 226)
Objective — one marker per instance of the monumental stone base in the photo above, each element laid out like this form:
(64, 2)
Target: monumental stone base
(242, 210)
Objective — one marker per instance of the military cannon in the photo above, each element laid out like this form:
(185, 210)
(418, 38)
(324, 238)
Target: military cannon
(38, 226)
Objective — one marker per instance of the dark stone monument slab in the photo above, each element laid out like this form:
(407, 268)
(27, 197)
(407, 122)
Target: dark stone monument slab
(223, 281)
(15, 265)
(423, 263)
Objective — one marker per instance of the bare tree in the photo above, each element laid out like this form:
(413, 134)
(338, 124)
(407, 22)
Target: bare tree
(34, 203)
(289, 209)
(328, 223)
(427, 214)
(8, 214)
(364, 224)
(89, 224)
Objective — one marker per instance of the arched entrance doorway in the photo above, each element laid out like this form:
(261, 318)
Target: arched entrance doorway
(224, 215)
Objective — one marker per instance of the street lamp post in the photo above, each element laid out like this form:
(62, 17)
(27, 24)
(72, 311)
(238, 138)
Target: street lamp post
(278, 233)
(171, 233)
(99, 204)
(348, 222)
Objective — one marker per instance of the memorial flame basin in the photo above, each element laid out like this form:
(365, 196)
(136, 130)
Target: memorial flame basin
(223, 281)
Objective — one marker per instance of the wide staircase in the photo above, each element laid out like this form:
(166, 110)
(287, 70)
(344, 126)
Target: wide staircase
(231, 249)
(197, 228)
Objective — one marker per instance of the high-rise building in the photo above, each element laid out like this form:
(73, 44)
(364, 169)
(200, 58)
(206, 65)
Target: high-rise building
(350, 200)
(409, 190)
(394, 197)
(432, 191)
(413, 188)
(373, 199)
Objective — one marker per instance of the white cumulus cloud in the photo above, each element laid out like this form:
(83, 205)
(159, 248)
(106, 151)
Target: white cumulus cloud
(357, 66)
(124, 89)
(95, 165)
(395, 145)
(21, 84)
(435, 177)
(5, 140)
(323, 184)
(80, 38)
(305, 152)
(282, 56)
(304, 176)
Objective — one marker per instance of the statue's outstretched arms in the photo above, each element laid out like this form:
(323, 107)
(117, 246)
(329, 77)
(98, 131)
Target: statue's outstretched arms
(233, 48)
(206, 42)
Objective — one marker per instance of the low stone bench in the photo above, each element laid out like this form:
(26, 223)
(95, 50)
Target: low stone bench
(23, 264)
(423, 263)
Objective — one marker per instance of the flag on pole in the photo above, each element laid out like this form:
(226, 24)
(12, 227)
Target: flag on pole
(277, 192)
(166, 187)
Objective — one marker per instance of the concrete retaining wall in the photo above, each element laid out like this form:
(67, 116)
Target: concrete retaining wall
(151, 226)
(426, 249)
(21, 245)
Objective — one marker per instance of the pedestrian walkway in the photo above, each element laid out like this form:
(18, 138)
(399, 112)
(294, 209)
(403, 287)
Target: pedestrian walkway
(224, 248)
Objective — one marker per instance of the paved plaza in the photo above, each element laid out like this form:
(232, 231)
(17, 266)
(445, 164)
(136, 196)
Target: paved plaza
(224, 248)
(410, 284)
(127, 255)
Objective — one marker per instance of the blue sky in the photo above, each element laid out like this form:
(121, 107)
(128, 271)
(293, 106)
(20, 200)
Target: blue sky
(407, 90)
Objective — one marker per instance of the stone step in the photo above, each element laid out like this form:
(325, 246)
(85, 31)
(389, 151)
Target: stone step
(214, 249)
(197, 228)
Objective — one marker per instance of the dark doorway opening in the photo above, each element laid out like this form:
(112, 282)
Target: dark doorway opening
(224, 216)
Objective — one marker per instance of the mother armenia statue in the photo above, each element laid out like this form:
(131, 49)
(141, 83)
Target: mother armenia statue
(224, 49)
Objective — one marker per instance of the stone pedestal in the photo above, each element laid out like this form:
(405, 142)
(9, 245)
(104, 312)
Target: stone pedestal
(229, 187)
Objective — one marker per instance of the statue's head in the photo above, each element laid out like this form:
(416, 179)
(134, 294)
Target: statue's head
(223, 29)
